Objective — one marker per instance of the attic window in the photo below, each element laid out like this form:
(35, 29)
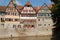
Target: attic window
(28, 5)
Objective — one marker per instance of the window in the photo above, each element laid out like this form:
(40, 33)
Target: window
(8, 19)
(32, 15)
(39, 24)
(32, 25)
(30, 10)
(10, 9)
(8, 13)
(16, 19)
(44, 24)
(2, 20)
(19, 26)
(28, 5)
(12, 13)
(23, 10)
(38, 19)
(23, 15)
(14, 26)
(43, 19)
(40, 14)
(44, 14)
(25, 25)
(2, 14)
(48, 14)
(49, 24)
(2, 25)
(26, 10)
(15, 14)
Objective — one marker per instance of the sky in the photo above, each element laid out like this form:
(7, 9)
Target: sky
(22, 2)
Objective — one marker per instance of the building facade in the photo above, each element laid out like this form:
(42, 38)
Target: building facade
(28, 15)
(44, 20)
(25, 20)
(2, 19)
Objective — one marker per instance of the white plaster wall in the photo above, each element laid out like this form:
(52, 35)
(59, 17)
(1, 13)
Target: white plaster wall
(48, 28)
(28, 17)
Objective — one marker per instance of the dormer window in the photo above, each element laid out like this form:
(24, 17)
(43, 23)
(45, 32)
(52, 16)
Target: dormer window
(28, 5)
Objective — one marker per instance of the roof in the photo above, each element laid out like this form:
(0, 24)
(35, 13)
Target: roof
(28, 7)
(28, 3)
(44, 6)
(50, 6)
(44, 9)
(19, 8)
(3, 8)
(37, 8)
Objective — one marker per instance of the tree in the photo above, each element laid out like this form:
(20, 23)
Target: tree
(56, 19)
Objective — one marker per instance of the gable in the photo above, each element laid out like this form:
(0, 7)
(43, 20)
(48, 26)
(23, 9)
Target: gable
(44, 9)
(11, 8)
(28, 10)
(11, 4)
(44, 6)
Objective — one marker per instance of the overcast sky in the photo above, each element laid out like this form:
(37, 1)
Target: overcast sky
(22, 2)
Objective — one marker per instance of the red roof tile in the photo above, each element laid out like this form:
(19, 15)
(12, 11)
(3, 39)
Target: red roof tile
(50, 6)
(3, 8)
(37, 8)
(19, 8)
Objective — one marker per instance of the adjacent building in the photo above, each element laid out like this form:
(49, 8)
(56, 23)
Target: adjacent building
(2, 17)
(28, 15)
(44, 20)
